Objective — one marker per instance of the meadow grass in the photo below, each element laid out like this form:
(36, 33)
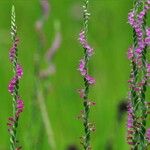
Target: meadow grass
(109, 35)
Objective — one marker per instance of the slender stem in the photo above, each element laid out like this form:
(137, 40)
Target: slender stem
(13, 138)
(38, 83)
(86, 84)
(139, 76)
(46, 119)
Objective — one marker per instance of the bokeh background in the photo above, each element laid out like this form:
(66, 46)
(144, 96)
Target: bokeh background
(109, 34)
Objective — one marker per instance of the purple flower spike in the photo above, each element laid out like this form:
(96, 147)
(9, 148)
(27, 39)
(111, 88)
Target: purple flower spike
(139, 76)
(13, 87)
(88, 80)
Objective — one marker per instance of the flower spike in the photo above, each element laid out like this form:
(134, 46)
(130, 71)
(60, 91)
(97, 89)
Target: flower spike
(13, 88)
(88, 80)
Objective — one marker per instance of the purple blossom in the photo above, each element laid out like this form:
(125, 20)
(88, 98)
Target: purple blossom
(130, 124)
(138, 77)
(82, 67)
(138, 51)
(90, 79)
(20, 107)
(12, 51)
(148, 32)
(131, 19)
(12, 85)
(19, 71)
(84, 43)
(130, 53)
(20, 104)
(148, 135)
(13, 82)
(82, 38)
(130, 117)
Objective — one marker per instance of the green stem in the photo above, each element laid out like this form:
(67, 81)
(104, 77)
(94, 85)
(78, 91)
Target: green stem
(86, 84)
(13, 138)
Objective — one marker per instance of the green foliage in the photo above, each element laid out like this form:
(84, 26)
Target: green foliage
(110, 36)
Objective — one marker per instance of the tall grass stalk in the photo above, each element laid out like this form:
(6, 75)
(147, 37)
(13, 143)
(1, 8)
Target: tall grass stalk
(137, 54)
(88, 80)
(13, 87)
(42, 84)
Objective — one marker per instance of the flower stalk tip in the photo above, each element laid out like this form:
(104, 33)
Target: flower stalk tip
(88, 80)
(13, 87)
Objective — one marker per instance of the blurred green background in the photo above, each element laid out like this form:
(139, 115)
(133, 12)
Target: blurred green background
(109, 34)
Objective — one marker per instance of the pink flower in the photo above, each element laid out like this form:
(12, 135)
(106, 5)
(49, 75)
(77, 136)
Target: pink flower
(141, 16)
(130, 53)
(12, 84)
(130, 124)
(82, 38)
(12, 52)
(90, 79)
(20, 104)
(19, 71)
(131, 18)
(89, 50)
(82, 67)
(84, 43)
(148, 32)
(20, 107)
(138, 51)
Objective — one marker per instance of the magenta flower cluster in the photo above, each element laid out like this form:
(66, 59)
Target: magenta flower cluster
(130, 123)
(137, 23)
(13, 85)
(13, 82)
(136, 54)
(82, 65)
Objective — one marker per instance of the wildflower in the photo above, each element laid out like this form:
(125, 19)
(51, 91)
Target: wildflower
(130, 53)
(82, 67)
(90, 79)
(140, 72)
(13, 87)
